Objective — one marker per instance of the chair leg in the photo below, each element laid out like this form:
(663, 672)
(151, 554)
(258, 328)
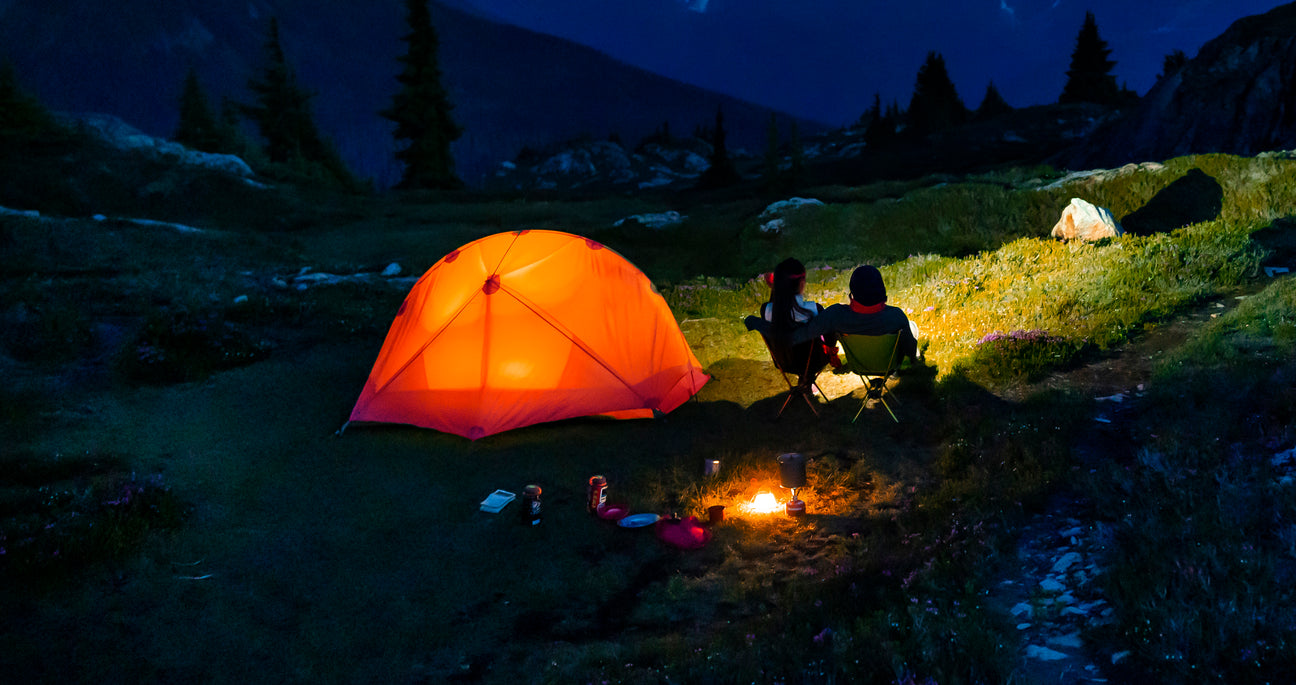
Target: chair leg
(888, 408)
(873, 386)
(804, 392)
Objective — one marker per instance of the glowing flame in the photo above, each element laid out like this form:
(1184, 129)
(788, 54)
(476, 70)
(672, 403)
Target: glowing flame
(764, 503)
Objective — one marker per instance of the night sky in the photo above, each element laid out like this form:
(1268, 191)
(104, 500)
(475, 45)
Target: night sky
(824, 59)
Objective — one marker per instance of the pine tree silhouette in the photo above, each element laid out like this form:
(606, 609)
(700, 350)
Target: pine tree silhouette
(22, 116)
(881, 125)
(992, 105)
(421, 109)
(772, 156)
(282, 115)
(1173, 62)
(935, 105)
(721, 172)
(796, 170)
(1090, 79)
(198, 128)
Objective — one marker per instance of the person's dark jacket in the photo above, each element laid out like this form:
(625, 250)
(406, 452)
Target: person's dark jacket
(841, 318)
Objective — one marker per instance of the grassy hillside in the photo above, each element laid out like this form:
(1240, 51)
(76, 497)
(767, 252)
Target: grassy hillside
(170, 471)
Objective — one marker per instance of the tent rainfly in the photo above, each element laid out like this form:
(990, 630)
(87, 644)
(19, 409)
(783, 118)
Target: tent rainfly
(525, 327)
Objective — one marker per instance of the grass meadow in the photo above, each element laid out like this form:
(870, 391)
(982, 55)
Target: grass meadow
(176, 507)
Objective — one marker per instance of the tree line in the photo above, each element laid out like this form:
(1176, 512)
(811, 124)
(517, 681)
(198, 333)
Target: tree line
(281, 112)
(292, 145)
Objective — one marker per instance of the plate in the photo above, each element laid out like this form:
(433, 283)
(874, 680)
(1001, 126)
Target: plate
(638, 520)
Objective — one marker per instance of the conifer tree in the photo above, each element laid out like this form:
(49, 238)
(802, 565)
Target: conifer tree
(22, 116)
(421, 109)
(721, 171)
(797, 168)
(935, 105)
(1173, 62)
(772, 156)
(992, 105)
(1090, 79)
(881, 125)
(283, 116)
(198, 128)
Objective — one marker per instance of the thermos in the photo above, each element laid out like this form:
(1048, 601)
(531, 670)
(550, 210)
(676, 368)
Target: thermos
(596, 496)
(531, 504)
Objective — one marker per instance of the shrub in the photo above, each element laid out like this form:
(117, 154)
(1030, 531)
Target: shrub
(181, 345)
(1024, 355)
(60, 515)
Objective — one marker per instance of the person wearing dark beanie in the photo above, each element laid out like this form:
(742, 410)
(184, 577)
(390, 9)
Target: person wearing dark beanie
(867, 314)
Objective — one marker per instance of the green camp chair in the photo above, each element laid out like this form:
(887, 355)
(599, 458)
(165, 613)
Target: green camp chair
(873, 358)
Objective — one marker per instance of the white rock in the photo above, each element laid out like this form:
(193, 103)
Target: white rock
(30, 213)
(773, 226)
(1071, 640)
(789, 204)
(1084, 221)
(1065, 561)
(654, 221)
(1044, 653)
(1051, 585)
(392, 269)
(1023, 608)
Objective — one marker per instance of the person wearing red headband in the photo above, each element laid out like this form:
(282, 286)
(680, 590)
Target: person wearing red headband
(867, 314)
(788, 311)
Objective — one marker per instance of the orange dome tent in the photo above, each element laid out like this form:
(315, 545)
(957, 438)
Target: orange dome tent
(525, 327)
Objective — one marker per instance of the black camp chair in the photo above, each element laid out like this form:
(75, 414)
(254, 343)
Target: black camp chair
(786, 359)
(872, 358)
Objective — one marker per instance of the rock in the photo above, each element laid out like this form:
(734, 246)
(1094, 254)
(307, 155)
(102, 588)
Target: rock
(1084, 221)
(1051, 585)
(1064, 562)
(1043, 653)
(241, 299)
(1022, 608)
(773, 226)
(783, 206)
(1070, 640)
(392, 269)
(657, 220)
(30, 213)
(122, 136)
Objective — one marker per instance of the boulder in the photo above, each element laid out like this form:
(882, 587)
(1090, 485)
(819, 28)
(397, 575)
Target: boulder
(1084, 221)
(783, 206)
(656, 220)
(122, 136)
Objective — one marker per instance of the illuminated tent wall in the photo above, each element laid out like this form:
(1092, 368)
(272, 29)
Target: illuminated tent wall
(525, 327)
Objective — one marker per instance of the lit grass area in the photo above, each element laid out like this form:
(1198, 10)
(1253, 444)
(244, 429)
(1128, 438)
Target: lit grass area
(1203, 514)
(974, 261)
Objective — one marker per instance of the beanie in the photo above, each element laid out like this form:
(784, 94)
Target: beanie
(866, 286)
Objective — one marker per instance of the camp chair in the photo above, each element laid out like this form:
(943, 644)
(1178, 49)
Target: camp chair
(873, 358)
(783, 359)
